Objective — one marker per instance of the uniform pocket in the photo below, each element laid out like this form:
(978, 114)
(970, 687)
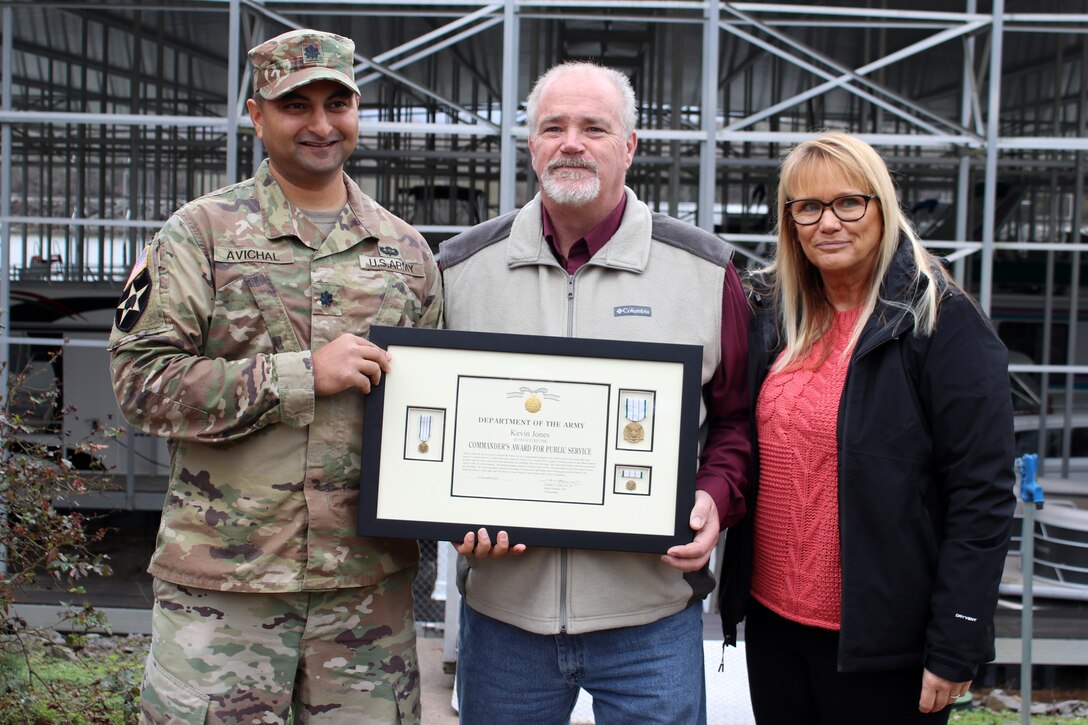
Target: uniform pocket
(166, 700)
(250, 317)
(400, 307)
(376, 298)
(273, 313)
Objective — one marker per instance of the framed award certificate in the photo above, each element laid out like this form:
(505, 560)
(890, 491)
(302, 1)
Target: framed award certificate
(558, 441)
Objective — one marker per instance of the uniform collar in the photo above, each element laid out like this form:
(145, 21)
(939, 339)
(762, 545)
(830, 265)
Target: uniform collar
(358, 220)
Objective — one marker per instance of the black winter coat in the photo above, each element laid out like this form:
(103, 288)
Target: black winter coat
(925, 447)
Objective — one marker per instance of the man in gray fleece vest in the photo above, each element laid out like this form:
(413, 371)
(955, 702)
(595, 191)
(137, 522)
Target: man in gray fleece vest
(586, 258)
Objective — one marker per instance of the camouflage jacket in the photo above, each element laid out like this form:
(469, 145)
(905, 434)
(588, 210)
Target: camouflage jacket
(237, 288)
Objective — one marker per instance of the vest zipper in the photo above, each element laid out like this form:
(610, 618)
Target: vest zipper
(564, 554)
(570, 305)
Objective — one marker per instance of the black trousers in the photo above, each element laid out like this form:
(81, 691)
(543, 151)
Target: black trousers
(794, 679)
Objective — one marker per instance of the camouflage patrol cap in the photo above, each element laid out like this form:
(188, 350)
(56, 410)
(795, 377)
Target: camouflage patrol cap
(298, 57)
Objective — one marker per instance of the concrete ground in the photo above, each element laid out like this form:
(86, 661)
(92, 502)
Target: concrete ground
(436, 684)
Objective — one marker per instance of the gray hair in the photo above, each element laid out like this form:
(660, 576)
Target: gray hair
(627, 112)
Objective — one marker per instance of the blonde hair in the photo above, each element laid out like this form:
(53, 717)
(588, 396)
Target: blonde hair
(804, 311)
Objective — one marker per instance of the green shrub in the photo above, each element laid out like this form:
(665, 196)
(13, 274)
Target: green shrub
(37, 540)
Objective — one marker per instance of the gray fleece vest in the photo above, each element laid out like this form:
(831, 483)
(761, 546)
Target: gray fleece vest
(656, 280)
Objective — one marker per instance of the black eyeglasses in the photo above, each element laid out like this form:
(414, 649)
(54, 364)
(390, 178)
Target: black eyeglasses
(848, 208)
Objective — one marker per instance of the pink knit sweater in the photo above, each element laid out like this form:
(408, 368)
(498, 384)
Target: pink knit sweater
(796, 571)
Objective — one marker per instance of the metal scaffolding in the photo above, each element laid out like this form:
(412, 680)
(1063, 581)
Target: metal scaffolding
(114, 114)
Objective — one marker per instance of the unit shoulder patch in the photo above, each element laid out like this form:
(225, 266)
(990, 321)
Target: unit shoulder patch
(133, 300)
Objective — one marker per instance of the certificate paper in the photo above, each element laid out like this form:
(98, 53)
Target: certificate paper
(555, 454)
(558, 441)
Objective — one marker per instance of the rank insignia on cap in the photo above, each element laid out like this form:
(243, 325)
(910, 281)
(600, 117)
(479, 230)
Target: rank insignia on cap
(297, 57)
(133, 300)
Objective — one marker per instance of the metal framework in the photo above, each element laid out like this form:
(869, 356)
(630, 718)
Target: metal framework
(113, 114)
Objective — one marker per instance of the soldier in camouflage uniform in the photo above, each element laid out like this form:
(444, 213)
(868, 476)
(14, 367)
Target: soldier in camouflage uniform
(241, 337)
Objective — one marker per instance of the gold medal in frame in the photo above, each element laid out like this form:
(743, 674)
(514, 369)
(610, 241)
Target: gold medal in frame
(635, 420)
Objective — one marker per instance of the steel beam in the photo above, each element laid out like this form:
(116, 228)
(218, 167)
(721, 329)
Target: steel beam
(993, 127)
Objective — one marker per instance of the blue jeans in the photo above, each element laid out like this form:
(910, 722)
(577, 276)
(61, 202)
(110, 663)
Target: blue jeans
(652, 673)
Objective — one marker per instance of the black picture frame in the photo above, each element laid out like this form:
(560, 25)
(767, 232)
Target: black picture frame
(532, 474)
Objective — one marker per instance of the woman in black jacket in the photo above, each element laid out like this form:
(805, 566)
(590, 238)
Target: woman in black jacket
(869, 565)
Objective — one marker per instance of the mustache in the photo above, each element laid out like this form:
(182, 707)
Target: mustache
(573, 163)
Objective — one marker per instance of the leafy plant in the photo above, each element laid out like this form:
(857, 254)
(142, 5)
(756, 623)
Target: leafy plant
(982, 716)
(39, 539)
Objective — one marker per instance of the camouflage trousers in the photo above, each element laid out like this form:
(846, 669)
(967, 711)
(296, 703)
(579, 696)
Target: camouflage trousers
(341, 656)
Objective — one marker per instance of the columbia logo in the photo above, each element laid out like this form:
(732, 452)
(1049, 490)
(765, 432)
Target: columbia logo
(632, 310)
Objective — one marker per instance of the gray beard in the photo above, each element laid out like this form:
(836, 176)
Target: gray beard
(569, 192)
